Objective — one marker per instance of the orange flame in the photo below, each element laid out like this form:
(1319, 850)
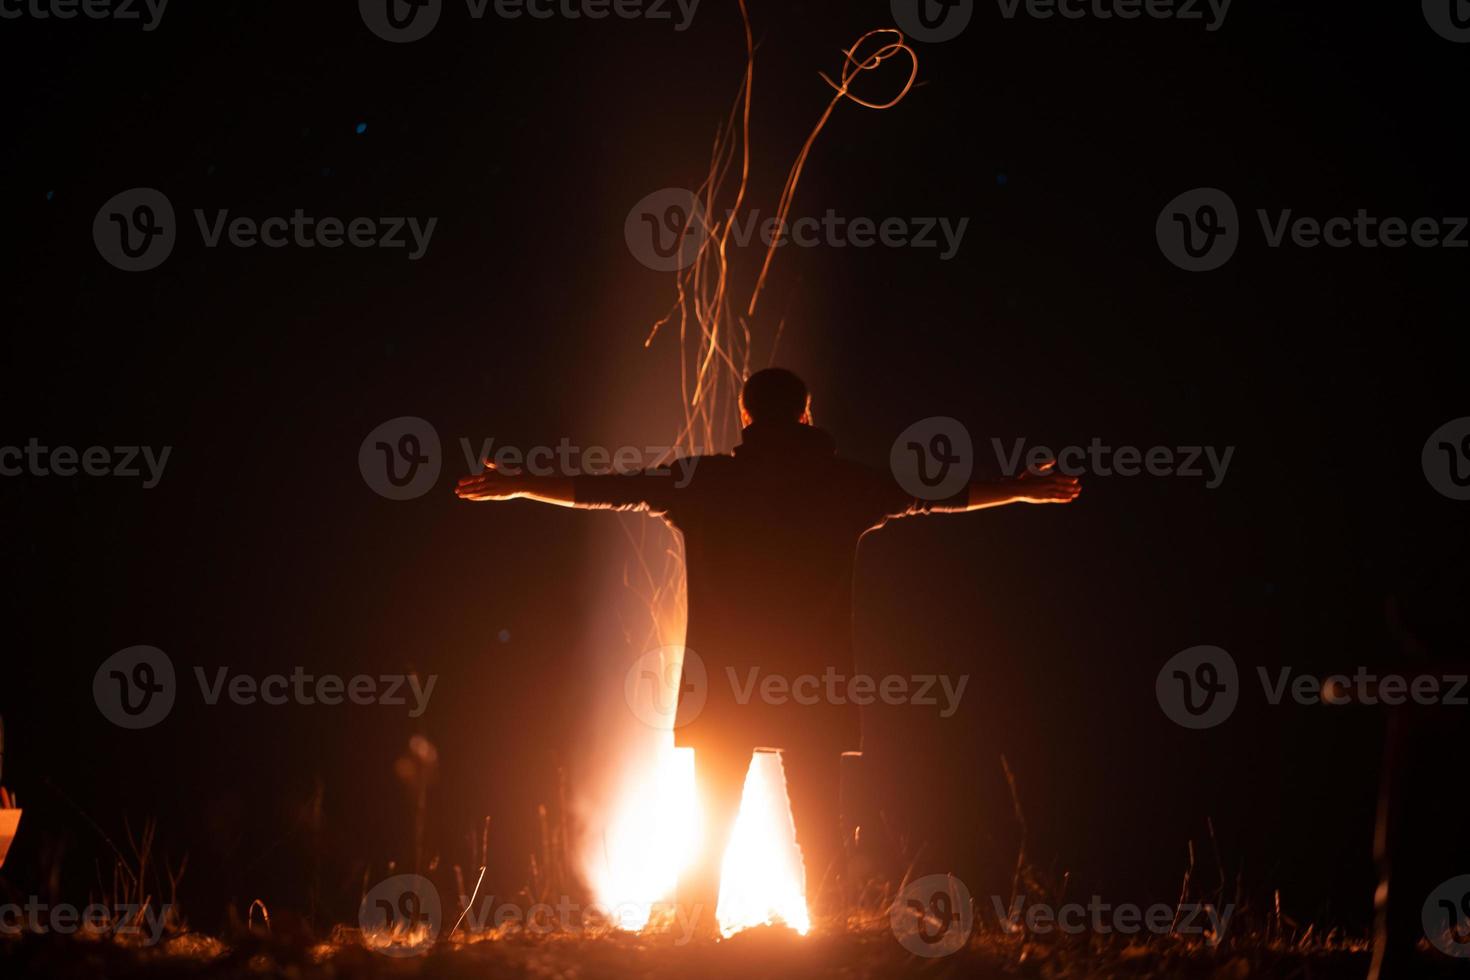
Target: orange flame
(762, 881)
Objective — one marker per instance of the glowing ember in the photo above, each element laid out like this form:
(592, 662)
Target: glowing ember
(652, 839)
(762, 881)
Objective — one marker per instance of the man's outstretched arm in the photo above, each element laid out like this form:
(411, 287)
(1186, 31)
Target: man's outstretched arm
(492, 484)
(652, 491)
(1046, 487)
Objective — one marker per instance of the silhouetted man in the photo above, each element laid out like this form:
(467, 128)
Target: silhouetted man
(770, 539)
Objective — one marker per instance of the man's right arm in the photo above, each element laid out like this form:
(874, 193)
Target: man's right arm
(645, 490)
(492, 484)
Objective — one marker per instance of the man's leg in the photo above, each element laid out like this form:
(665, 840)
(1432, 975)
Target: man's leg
(720, 776)
(813, 778)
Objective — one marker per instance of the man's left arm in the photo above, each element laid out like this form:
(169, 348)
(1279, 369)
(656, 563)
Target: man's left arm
(649, 490)
(1043, 487)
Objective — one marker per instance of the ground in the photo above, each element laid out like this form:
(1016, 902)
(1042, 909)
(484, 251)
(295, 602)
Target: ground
(762, 954)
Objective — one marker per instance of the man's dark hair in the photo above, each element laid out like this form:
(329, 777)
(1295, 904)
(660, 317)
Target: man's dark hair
(774, 395)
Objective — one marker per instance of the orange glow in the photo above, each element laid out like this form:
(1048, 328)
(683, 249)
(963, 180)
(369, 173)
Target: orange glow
(652, 838)
(762, 881)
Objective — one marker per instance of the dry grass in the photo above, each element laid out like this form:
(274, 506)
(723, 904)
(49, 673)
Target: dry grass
(764, 954)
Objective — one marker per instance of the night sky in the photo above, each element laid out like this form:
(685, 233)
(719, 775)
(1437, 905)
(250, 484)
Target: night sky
(1058, 321)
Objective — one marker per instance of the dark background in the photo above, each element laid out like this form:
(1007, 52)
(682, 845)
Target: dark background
(1059, 320)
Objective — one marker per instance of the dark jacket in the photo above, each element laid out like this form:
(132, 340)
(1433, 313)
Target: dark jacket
(770, 539)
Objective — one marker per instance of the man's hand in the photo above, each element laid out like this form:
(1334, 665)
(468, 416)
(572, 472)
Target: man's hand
(490, 484)
(1041, 487)
(1046, 486)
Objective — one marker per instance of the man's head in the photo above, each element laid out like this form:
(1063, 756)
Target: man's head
(775, 395)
